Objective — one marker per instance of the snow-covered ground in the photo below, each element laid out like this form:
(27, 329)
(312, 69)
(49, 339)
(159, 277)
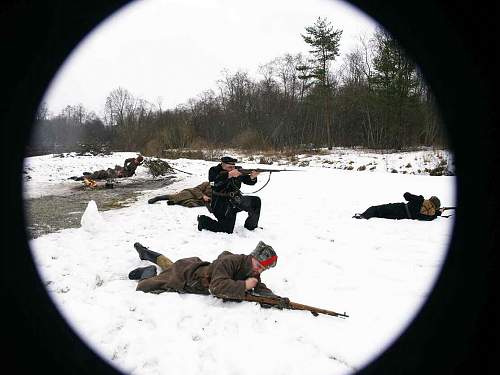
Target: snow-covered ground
(379, 271)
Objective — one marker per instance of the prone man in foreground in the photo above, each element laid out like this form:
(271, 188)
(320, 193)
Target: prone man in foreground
(233, 277)
(229, 276)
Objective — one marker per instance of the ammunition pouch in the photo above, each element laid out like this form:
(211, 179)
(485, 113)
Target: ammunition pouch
(234, 197)
(235, 200)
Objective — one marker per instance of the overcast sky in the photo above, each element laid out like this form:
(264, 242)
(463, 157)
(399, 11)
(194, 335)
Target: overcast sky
(169, 51)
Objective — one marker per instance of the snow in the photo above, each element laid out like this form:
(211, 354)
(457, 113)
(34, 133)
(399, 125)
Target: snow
(377, 271)
(92, 220)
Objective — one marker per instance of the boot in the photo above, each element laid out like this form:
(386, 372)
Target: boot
(170, 203)
(157, 198)
(142, 273)
(145, 253)
(203, 222)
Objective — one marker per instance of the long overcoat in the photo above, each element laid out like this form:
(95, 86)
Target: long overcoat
(224, 277)
(192, 197)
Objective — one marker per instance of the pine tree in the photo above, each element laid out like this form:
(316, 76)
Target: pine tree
(325, 42)
(395, 81)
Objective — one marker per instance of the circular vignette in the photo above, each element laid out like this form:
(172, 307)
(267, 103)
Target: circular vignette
(453, 48)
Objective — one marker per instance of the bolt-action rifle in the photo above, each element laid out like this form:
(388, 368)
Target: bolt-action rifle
(248, 171)
(276, 302)
(284, 303)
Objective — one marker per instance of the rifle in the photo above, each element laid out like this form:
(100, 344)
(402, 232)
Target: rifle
(279, 303)
(443, 209)
(248, 171)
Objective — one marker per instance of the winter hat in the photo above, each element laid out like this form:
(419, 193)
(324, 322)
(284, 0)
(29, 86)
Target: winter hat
(140, 158)
(436, 202)
(427, 208)
(228, 160)
(265, 255)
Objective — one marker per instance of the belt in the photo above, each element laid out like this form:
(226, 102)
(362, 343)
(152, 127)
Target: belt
(408, 211)
(231, 194)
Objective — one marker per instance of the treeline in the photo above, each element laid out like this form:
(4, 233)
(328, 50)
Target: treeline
(377, 99)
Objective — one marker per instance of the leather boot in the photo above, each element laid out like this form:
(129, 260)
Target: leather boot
(142, 273)
(158, 198)
(145, 253)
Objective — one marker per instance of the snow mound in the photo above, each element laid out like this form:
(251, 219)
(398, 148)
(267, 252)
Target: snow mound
(92, 221)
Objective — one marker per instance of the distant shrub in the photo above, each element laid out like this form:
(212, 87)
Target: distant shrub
(264, 160)
(441, 170)
(185, 154)
(362, 168)
(394, 171)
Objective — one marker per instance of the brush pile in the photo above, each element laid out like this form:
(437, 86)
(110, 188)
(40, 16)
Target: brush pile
(158, 167)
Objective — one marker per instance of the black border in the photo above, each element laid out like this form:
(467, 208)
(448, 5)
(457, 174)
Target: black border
(454, 45)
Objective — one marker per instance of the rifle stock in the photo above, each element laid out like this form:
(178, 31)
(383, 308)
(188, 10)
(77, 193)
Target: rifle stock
(275, 302)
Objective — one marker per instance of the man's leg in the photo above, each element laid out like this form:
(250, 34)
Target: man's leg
(159, 198)
(370, 212)
(224, 223)
(153, 256)
(386, 211)
(164, 262)
(100, 175)
(252, 206)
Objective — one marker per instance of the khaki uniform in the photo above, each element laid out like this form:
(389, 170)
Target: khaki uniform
(224, 277)
(192, 197)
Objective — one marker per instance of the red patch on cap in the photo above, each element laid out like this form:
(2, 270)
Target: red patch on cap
(269, 261)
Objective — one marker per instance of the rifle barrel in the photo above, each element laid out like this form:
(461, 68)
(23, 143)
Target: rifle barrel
(292, 305)
(248, 170)
(317, 310)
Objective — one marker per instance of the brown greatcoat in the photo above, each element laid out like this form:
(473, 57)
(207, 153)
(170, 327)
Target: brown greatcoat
(224, 277)
(192, 197)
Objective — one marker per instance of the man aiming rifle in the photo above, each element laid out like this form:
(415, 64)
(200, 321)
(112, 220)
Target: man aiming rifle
(231, 277)
(227, 200)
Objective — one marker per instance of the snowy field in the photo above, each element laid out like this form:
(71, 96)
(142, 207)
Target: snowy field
(379, 271)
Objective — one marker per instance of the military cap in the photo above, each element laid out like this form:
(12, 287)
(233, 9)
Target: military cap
(228, 160)
(265, 255)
